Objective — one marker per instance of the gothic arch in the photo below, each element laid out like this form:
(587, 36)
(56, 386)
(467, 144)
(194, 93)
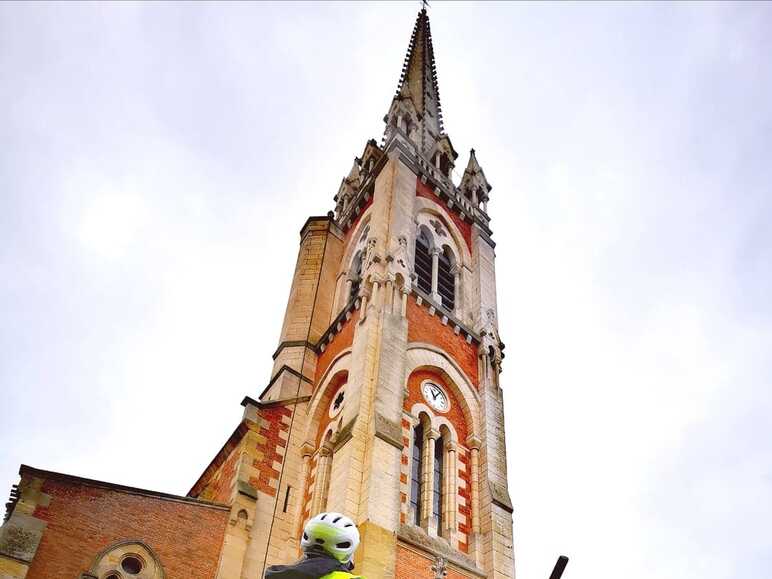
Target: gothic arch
(426, 356)
(424, 206)
(436, 421)
(354, 249)
(339, 366)
(356, 241)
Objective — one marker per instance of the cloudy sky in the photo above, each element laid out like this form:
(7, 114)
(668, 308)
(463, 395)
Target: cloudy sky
(157, 162)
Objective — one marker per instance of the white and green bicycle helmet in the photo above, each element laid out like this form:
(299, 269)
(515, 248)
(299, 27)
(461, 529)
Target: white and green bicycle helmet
(333, 532)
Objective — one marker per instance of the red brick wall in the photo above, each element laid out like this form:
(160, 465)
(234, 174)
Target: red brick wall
(411, 565)
(428, 328)
(340, 342)
(220, 488)
(84, 520)
(424, 190)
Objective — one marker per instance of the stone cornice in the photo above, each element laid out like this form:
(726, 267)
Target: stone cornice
(291, 344)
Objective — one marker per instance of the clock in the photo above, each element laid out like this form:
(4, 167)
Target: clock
(435, 396)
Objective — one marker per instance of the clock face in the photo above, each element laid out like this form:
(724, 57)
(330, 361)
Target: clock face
(435, 396)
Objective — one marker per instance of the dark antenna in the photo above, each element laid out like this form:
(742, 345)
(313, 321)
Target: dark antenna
(560, 566)
(424, 4)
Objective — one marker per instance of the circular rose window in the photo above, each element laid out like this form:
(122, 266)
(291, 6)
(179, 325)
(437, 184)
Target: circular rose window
(132, 565)
(336, 405)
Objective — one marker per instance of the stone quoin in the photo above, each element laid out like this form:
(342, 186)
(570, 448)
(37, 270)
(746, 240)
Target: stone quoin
(384, 400)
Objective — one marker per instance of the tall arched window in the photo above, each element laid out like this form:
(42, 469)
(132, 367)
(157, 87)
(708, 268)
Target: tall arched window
(415, 473)
(446, 281)
(439, 454)
(423, 262)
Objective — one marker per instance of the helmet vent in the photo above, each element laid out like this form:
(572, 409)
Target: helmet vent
(324, 515)
(343, 545)
(320, 541)
(336, 519)
(305, 536)
(349, 525)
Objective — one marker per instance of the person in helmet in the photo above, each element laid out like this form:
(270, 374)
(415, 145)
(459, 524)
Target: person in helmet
(328, 543)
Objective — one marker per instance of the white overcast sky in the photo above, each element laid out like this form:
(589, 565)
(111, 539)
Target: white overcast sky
(157, 162)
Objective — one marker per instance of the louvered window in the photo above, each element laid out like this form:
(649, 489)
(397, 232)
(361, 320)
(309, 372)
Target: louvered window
(423, 264)
(446, 283)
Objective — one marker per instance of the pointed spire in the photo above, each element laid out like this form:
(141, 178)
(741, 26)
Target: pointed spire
(419, 73)
(418, 85)
(474, 185)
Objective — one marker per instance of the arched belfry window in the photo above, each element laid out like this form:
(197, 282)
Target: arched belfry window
(445, 164)
(446, 281)
(423, 261)
(356, 276)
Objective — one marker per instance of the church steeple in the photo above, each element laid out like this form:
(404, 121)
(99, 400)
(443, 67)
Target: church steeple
(419, 74)
(415, 109)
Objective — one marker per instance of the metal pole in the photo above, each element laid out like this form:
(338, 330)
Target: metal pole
(560, 566)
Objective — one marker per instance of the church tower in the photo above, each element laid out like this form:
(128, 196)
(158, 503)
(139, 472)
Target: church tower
(384, 401)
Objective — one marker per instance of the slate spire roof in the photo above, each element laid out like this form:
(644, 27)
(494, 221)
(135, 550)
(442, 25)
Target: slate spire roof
(418, 82)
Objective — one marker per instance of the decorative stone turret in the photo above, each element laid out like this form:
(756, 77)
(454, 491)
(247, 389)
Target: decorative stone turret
(474, 185)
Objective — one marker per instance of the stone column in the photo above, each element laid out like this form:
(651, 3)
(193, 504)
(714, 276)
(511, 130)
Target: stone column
(473, 442)
(451, 493)
(427, 479)
(435, 251)
(362, 304)
(374, 296)
(405, 292)
(306, 451)
(458, 298)
(388, 297)
(324, 462)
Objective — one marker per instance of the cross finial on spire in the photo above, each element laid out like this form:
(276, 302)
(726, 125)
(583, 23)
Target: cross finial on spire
(424, 5)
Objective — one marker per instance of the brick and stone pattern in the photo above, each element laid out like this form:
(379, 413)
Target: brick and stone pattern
(341, 340)
(455, 415)
(426, 328)
(82, 518)
(413, 563)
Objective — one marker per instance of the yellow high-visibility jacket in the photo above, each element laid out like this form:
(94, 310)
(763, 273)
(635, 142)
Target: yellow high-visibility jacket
(341, 575)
